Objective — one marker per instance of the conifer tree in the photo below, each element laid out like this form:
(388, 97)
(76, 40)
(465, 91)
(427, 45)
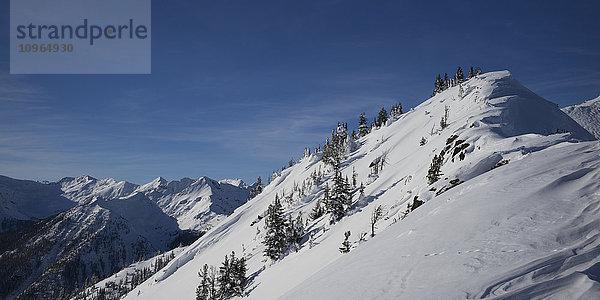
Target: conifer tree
(460, 77)
(295, 232)
(346, 243)
(444, 120)
(333, 152)
(231, 280)
(362, 190)
(434, 173)
(239, 278)
(471, 73)
(224, 278)
(317, 210)
(363, 129)
(207, 290)
(340, 198)
(446, 81)
(259, 186)
(382, 117)
(275, 225)
(396, 110)
(438, 85)
(375, 217)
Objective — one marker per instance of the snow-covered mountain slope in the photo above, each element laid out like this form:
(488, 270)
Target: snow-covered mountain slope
(587, 114)
(120, 283)
(515, 211)
(529, 229)
(48, 259)
(197, 204)
(84, 188)
(27, 200)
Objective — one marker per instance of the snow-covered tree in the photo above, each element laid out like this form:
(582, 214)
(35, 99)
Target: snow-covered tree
(396, 110)
(275, 225)
(446, 83)
(434, 173)
(460, 77)
(317, 211)
(363, 129)
(224, 278)
(259, 185)
(382, 117)
(238, 274)
(471, 73)
(231, 279)
(340, 198)
(444, 120)
(295, 232)
(438, 86)
(207, 290)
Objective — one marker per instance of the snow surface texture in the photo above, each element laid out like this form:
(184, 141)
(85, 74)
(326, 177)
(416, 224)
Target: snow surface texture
(526, 228)
(587, 114)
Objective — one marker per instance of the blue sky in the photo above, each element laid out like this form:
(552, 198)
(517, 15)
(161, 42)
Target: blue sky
(239, 87)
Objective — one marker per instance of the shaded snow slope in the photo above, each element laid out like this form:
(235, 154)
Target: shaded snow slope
(96, 238)
(499, 146)
(29, 200)
(587, 114)
(197, 203)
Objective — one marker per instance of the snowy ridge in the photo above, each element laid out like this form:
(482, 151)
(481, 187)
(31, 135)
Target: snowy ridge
(197, 204)
(587, 114)
(84, 188)
(29, 200)
(516, 171)
(48, 258)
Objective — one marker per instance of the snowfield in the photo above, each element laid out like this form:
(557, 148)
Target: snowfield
(514, 215)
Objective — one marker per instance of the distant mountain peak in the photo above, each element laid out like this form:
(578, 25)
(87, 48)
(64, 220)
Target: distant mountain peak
(587, 114)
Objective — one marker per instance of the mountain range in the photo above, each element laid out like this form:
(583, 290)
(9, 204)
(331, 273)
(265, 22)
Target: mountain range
(85, 228)
(485, 190)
